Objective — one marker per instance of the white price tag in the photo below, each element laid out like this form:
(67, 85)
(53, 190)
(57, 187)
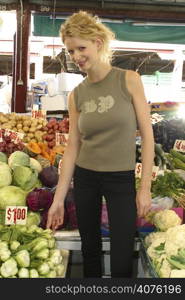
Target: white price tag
(179, 145)
(16, 215)
(155, 171)
(16, 137)
(61, 138)
(138, 170)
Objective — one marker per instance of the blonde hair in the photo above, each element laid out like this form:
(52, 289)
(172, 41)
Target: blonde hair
(88, 27)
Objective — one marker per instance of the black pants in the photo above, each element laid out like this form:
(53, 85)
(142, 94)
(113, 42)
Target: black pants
(118, 189)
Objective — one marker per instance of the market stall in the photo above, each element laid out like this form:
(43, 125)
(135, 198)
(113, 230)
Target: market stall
(32, 148)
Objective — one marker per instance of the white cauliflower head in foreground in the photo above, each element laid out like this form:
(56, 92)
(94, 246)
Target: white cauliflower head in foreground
(165, 219)
(176, 235)
(154, 236)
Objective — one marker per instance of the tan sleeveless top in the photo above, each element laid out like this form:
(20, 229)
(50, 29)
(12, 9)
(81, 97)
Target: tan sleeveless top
(107, 123)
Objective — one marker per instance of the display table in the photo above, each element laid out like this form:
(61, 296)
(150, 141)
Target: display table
(70, 240)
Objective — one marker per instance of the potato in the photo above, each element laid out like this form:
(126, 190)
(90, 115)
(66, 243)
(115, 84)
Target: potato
(31, 135)
(27, 123)
(39, 126)
(20, 130)
(5, 126)
(4, 119)
(13, 123)
(44, 122)
(34, 122)
(25, 128)
(40, 121)
(19, 126)
(32, 129)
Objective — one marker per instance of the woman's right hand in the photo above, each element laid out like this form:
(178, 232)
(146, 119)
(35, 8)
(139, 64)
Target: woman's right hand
(55, 215)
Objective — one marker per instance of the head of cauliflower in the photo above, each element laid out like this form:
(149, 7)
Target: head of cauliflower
(165, 219)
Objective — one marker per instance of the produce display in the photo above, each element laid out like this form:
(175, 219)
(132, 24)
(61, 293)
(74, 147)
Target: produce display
(29, 252)
(31, 151)
(32, 128)
(165, 247)
(167, 131)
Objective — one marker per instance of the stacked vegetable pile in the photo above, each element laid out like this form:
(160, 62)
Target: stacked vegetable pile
(29, 252)
(167, 131)
(166, 246)
(32, 128)
(54, 126)
(19, 176)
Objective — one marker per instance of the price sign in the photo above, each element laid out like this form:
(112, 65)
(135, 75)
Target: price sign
(138, 170)
(61, 138)
(155, 171)
(16, 215)
(179, 145)
(16, 137)
(38, 114)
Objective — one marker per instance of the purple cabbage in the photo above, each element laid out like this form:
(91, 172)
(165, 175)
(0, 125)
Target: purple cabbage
(49, 176)
(39, 199)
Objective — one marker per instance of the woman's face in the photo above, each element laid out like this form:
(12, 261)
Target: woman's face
(84, 53)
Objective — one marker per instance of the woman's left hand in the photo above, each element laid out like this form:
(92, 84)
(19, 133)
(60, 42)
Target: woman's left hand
(143, 202)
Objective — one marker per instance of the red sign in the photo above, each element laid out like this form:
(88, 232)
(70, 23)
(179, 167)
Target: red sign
(38, 114)
(179, 145)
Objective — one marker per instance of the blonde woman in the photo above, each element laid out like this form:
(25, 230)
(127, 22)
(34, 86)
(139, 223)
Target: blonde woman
(104, 111)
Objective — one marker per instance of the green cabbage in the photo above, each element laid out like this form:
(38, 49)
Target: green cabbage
(5, 175)
(3, 157)
(33, 218)
(25, 177)
(35, 165)
(18, 158)
(11, 196)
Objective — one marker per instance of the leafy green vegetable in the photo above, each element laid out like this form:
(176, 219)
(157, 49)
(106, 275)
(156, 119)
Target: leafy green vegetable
(160, 247)
(5, 175)
(18, 158)
(33, 218)
(23, 258)
(23, 273)
(9, 268)
(168, 185)
(34, 273)
(12, 196)
(3, 157)
(25, 177)
(177, 261)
